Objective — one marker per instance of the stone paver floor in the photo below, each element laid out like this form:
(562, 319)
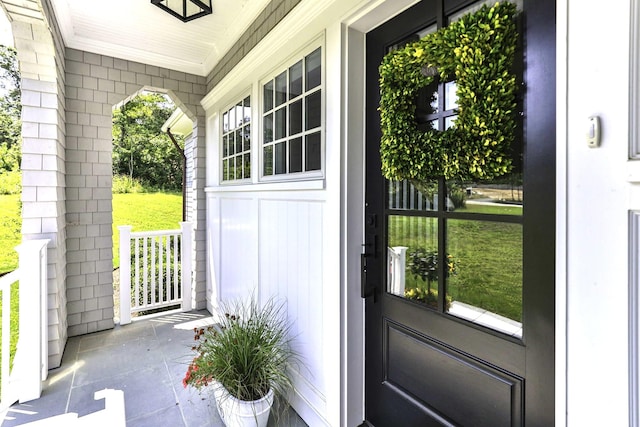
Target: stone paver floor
(147, 360)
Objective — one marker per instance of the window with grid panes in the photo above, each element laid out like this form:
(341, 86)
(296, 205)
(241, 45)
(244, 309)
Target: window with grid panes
(292, 118)
(236, 141)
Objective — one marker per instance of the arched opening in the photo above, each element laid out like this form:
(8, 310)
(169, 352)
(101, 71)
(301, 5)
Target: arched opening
(149, 178)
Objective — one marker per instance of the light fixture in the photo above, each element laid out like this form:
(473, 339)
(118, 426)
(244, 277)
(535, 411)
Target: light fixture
(185, 10)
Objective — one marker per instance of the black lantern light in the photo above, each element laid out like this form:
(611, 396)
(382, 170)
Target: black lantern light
(185, 10)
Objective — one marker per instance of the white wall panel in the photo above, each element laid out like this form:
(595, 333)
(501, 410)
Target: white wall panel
(291, 258)
(238, 248)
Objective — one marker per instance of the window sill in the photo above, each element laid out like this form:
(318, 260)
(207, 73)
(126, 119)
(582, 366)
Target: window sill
(310, 185)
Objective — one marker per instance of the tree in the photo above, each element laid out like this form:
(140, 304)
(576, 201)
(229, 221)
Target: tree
(140, 149)
(10, 110)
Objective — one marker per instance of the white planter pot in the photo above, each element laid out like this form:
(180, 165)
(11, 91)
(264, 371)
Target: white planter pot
(241, 413)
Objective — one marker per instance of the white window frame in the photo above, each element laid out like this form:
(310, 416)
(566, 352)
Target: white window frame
(222, 133)
(259, 140)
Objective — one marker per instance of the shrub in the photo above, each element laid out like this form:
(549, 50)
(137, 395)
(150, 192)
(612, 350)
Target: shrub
(10, 182)
(122, 184)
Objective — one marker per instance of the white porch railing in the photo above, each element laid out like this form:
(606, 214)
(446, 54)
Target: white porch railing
(23, 382)
(157, 274)
(396, 274)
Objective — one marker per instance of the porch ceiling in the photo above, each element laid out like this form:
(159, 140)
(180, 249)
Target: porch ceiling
(139, 31)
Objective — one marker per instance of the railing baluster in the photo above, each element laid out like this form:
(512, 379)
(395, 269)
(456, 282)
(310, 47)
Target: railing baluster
(165, 270)
(176, 266)
(145, 273)
(137, 267)
(6, 332)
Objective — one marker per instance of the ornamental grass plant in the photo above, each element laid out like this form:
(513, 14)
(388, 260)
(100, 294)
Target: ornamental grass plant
(248, 352)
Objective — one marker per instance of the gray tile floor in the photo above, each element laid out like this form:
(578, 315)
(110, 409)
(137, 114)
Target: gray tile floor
(147, 361)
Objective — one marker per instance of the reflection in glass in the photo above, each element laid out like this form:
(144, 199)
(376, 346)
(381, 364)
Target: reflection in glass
(247, 165)
(247, 137)
(268, 160)
(313, 114)
(268, 96)
(486, 285)
(449, 121)
(295, 117)
(421, 196)
(295, 80)
(450, 96)
(280, 158)
(239, 140)
(313, 152)
(280, 125)
(225, 169)
(433, 102)
(313, 68)
(435, 124)
(239, 167)
(295, 155)
(225, 122)
(281, 88)
(268, 128)
(412, 258)
(501, 196)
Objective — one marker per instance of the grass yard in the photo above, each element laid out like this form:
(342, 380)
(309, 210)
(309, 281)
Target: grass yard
(9, 232)
(10, 238)
(144, 212)
(487, 257)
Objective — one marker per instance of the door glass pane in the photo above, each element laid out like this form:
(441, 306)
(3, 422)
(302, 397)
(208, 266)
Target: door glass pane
(421, 196)
(484, 273)
(449, 121)
(412, 258)
(225, 169)
(450, 96)
(501, 196)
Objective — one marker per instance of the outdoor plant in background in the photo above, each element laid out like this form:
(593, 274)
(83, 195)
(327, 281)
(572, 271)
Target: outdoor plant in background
(423, 264)
(247, 354)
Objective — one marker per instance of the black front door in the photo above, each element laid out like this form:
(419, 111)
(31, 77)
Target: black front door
(459, 276)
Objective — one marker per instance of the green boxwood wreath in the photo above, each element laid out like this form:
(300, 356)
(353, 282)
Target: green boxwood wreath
(476, 51)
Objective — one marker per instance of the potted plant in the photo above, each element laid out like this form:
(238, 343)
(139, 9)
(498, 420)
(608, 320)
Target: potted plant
(244, 358)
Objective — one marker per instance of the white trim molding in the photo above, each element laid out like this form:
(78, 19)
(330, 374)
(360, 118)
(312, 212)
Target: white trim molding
(634, 324)
(634, 81)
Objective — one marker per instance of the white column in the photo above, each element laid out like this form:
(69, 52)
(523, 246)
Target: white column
(185, 257)
(125, 274)
(32, 352)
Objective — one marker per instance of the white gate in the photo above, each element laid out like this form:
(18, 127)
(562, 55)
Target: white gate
(155, 270)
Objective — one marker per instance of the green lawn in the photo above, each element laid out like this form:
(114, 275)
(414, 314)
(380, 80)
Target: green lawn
(487, 257)
(9, 239)
(9, 232)
(144, 212)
